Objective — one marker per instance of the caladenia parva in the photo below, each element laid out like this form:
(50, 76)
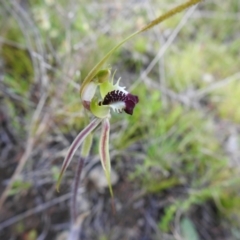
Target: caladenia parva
(101, 95)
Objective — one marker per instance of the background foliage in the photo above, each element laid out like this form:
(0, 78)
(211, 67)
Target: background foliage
(176, 159)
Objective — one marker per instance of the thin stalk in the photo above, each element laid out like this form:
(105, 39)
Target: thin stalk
(74, 211)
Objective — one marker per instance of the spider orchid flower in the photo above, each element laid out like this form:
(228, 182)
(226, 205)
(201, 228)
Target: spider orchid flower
(100, 96)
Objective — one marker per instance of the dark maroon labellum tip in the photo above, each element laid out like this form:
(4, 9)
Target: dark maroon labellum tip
(131, 101)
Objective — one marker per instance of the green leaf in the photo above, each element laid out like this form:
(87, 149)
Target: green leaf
(164, 225)
(188, 229)
(18, 186)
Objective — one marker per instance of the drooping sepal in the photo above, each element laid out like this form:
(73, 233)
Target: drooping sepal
(75, 145)
(87, 144)
(104, 152)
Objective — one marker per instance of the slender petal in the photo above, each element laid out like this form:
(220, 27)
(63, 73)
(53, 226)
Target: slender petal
(87, 144)
(75, 145)
(104, 152)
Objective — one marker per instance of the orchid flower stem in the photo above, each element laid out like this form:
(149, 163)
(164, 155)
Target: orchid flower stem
(74, 211)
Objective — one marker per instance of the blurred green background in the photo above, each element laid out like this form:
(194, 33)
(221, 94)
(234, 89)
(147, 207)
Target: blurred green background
(176, 160)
